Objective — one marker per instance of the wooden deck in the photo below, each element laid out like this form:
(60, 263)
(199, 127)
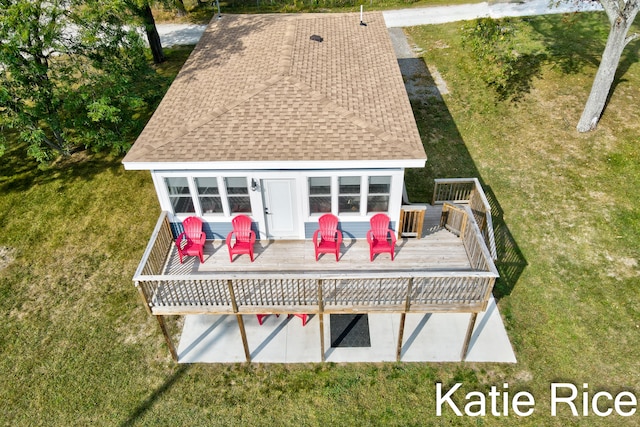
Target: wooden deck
(438, 272)
(442, 272)
(437, 249)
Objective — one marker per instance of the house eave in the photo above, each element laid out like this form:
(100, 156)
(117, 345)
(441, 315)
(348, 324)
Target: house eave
(278, 165)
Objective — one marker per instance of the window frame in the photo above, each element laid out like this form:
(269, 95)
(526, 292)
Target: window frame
(318, 196)
(160, 181)
(358, 210)
(185, 196)
(219, 195)
(370, 194)
(396, 179)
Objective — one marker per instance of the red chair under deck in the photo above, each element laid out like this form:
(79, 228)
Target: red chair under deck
(330, 236)
(262, 316)
(191, 241)
(381, 238)
(304, 317)
(242, 238)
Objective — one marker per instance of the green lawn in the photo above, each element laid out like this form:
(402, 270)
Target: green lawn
(202, 12)
(78, 348)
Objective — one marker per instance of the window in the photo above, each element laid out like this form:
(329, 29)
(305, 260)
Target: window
(179, 195)
(209, 195)
(349, 194)
(379, 191)
(203, 196)
(319, 195)
(238, 195)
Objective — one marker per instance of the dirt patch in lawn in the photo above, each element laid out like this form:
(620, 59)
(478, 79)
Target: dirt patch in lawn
(7, 255)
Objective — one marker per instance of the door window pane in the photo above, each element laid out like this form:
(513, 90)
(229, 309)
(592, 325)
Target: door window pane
(320, 195)
(238, 195)
(349, 194)
(179, 195)
(209, 195)
(379, 191)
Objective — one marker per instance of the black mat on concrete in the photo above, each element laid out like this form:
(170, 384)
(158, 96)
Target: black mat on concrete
(349, 330)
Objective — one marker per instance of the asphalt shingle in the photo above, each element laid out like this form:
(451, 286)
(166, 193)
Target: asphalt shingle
(257, 88)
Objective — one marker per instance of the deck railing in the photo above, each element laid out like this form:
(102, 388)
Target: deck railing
(314, 292)
(411, 220)
(420, 293)
(468, 191)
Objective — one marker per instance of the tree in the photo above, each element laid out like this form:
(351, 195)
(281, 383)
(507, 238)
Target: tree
(621, 14)
(71, 75)
(142, 9)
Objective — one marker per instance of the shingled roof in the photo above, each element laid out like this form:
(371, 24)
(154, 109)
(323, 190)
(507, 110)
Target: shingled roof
(257, 88)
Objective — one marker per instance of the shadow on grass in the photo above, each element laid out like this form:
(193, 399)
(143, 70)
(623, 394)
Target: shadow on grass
(510, 263)
(448, 157)
(572, 41)
(18, 173)
(149, 402)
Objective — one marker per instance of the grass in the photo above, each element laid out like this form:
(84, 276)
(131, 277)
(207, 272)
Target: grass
(78, 348)
(201, 13)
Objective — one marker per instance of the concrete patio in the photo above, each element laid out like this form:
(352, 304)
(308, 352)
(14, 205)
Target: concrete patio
(427, 338)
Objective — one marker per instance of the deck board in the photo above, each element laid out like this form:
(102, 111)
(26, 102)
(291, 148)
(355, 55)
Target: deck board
(438, 249)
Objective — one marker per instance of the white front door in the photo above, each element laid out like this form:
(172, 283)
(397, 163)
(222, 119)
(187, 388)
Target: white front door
(280, 208)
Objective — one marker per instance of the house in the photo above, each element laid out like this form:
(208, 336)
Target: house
(283, 118)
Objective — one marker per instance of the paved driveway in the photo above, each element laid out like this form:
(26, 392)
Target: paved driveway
(185, 34)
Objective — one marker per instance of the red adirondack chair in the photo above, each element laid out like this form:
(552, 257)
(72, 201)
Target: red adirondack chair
(262, 316)
(244, 237)
(191, 241)
(381, 238)
(330, 236)
(304, 317)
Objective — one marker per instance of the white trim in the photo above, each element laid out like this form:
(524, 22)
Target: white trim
(301, 178)
(364, 194)
(222, 189)
(276, 165)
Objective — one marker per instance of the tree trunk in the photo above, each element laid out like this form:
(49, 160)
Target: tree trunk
(152, 34)
(621, 21)
(181, 10)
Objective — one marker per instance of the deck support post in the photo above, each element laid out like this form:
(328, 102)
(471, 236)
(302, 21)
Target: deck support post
(243, 333)
(321, 319)
(407, 304)
(467, 338)
(147, 306)
(167, 338)
(400, 337)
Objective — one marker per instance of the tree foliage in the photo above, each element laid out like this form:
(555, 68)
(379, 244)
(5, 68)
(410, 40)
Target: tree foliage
(71, 75)
(505, 65)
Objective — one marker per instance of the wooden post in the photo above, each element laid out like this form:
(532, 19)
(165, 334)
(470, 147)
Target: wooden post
(321, 319)
(400, 333)
(407, 304)
(467, 338)
(243, 333)
(167, 337)
(144, 297)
